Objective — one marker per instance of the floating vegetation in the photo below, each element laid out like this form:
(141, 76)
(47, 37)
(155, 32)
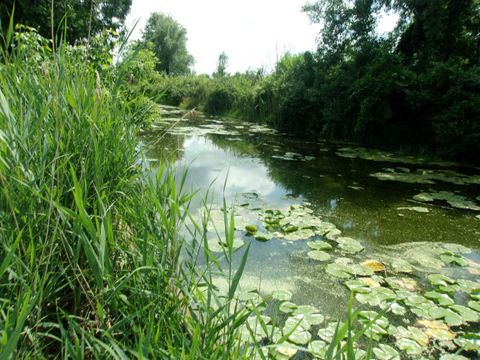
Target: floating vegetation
(378, 155)
(424, 176)
(292, 156)
(454, 200)
(419, 209)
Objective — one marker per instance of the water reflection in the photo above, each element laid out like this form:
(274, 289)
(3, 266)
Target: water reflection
(339, 189)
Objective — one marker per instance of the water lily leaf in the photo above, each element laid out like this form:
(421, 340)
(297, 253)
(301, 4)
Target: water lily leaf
(319, 245)
(411, 347)
(300, 336)
(475, 305)
(349, 245)
(385, 352)
(419, 209)
(414, 300)
(370, 282)
(457, 248)
(440, 280)
(286, 351)
(402, 283)
(327, 332)
(263, 237)
(467, 314)
(281, 295)
(451, 258)
(358, 286)
(318, 255)
(437, 330)
(400, 265)
(450, 317)
(304, 310)
(394, 308)
(468, 286)
(469, 342)
(315, 319)
(251, 229)
(423, 310)
(301, 234)
(287, 307)
(376, 296)
(338, 270)
(318, 348)
(423, 197)
(374, 265)
(296, 322)
(452, 357)
(217, 245)
(333, 234)
(441, 299)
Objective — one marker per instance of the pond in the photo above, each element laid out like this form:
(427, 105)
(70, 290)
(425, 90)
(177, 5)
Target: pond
(401, 232)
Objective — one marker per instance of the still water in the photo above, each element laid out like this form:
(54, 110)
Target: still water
(255, 166)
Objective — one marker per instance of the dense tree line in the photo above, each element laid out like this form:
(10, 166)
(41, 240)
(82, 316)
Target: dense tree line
(415, 89)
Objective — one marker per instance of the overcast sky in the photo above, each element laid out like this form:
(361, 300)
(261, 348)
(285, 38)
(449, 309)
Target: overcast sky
(253, 33)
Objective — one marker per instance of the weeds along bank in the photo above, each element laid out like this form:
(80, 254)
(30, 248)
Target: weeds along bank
(90, 261)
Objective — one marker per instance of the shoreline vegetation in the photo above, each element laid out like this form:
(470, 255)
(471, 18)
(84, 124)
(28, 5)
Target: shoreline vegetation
(101, 259)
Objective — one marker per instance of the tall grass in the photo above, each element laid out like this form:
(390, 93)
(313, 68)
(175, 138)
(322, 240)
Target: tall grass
(91, 259)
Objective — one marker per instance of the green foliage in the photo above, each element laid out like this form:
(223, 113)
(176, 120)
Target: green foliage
(221, 65)
(168, 40)
(90, 245)
(76, 18)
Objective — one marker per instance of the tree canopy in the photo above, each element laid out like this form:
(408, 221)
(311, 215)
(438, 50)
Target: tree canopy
(79, 18)
(168, 41)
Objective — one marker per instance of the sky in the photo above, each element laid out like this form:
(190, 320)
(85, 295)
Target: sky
(253, 33)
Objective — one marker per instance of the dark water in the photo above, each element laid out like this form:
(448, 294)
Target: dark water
(339, 189)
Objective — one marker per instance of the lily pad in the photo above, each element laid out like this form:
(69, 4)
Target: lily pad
(251, 229)
(400, 265)
(419, 209)
(441, 299)
(263, 237)
(304, 310)
(339, 271)
(467, 314)
(402, 283)
(349, 245)
(287, 307)
(318, 348)
(437, 330)
(358, 286)
(440, 280)
(319, 245)
(386, 352)
(282, 295)
(374, 265)
(318, 255)
(411, 347)
(469, 342)
(475, 305)
(449, 316)
(451, 258)
(376, 297)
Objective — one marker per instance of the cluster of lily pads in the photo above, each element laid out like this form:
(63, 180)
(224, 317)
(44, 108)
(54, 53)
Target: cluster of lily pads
(383, 156)
(411, 318)
(292, 156)
(426, 176)
(454, 200)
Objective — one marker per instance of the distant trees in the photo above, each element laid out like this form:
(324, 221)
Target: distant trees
(168, 40)
(222, 64)
(82, 18)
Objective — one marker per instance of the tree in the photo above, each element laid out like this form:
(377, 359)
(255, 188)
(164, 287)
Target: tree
(169, 43)
(221, 65)
(83, 18)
